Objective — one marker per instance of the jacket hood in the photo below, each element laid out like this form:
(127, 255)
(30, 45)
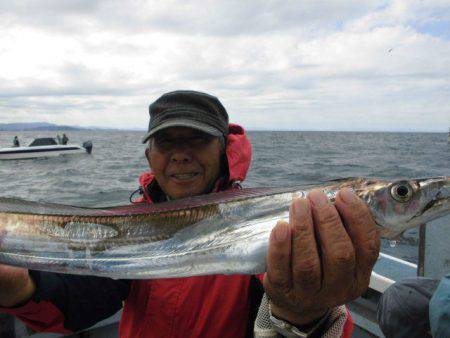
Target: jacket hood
(238, 152)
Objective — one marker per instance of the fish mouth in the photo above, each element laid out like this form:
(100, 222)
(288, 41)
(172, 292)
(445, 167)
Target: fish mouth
(439, 206)
(433, 198)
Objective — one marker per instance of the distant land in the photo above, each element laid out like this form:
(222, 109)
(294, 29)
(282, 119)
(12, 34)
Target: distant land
(32, 126)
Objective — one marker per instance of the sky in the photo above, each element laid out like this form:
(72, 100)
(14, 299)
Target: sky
(276, 65)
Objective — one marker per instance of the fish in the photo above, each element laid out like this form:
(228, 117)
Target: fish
(218, 233)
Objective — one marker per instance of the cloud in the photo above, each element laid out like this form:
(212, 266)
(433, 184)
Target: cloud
(276, 64)
(194, 17)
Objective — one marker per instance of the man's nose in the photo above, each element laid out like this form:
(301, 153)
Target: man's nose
(180, 156)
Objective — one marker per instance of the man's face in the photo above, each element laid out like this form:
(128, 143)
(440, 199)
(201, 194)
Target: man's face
(185, 161)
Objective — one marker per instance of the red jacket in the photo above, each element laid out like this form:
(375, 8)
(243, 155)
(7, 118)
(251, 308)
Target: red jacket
(203, 306)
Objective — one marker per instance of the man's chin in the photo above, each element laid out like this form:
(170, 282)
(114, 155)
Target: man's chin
(183, 194)
(190, 190)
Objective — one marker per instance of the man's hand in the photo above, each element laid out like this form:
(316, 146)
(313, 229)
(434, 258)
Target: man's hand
(322, 258)
(16, 286)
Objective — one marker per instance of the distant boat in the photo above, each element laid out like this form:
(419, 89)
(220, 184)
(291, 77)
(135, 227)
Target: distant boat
(44, 147)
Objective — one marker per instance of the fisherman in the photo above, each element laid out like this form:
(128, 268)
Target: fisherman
(16, 141)
(64, 139)
(319, 260)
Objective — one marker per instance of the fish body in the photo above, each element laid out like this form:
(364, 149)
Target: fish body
(219, 233)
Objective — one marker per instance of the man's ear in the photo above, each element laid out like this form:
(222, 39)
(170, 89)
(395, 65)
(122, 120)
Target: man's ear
(147, 154)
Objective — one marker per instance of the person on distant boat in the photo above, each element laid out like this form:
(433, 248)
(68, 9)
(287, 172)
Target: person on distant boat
(16, 142)
(319, 260)
(64, 139)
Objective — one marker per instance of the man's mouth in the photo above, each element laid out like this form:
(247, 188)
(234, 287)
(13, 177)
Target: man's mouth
(184, 176)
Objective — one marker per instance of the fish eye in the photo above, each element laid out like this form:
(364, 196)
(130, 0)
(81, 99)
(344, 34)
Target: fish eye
(401, 192)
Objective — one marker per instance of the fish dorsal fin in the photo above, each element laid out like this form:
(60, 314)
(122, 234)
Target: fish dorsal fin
(14, 205)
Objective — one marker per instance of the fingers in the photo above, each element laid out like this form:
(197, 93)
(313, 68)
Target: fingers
(322, 258)
(279, 257)
(306, 265)
(338, 255)
(363, 233)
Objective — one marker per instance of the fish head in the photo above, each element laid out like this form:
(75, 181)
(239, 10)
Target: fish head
(404, 204)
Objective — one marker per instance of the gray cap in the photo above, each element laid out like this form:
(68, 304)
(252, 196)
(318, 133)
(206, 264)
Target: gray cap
(187, 108)
(403, 308)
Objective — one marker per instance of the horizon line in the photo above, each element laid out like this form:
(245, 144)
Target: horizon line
(247, 129)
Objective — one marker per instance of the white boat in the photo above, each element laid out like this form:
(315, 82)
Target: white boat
(44, 147)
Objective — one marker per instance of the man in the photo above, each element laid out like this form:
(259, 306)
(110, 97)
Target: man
(16, 142)
(64, 139)
(318, 261)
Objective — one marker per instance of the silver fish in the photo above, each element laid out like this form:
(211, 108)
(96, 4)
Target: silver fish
(219, 233)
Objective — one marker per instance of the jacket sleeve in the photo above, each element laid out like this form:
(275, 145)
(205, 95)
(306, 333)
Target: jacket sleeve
(439, 309)
(69, 303)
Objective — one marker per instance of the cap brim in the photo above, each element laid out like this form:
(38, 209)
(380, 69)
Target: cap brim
(206, 128)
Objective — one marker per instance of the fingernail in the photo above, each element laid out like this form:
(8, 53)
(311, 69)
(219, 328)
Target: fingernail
(347, 196)
(281, 232)
(299, 207)
(318, 198)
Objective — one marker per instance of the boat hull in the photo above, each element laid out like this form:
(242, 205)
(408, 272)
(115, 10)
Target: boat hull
(39, 151)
